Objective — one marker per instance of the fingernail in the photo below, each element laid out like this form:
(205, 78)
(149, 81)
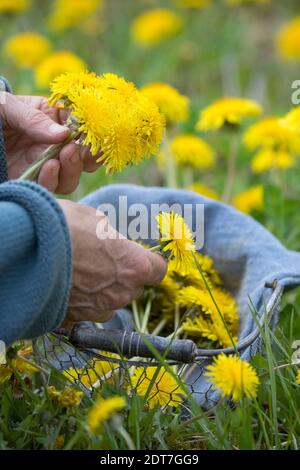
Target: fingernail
(57, 129)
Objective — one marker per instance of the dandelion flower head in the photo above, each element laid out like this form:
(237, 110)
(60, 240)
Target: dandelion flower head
(154, 26)
(233, 377)
(227, 111)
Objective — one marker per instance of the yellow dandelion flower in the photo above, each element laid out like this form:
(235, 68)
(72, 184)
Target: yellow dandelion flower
(273, 134)
(250, 200)
(292, 119)
(155, 26)
(164, 391)
(298, 378)
(26, 50)
(176, 239)
(59, 441)
(67, 398)
(233, 377)
(268, 159)
(288, 40)
(96, 370)
(192, 151)
(103, 410)
(208, 322)
(227, 111)
(56, 64)
(170, 102)
(193, 4)
(278, 144)
(65, 87)
(14, 6)
(67, 13)
(204, 190)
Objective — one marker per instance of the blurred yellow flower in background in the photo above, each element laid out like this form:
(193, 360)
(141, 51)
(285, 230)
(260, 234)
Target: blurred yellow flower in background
(170, 102)
(158, 385)
(288, 40)
(193, 3)
(204, 190)
(14, 6)
(69, 13)
(154, 26)
(298, 378)
(227, 111)
(55, 64)
(176, 240)
(192, 151)
(250, 200)
(26, 50)
(233, 377)
(103, 410)
(277, 144)
(292, 119)
(268, 159)
(240, 2)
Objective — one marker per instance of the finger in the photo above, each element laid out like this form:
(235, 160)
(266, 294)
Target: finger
(159, 269)
(89, 162)
(49, 175)
(32, 122)
(70, 169)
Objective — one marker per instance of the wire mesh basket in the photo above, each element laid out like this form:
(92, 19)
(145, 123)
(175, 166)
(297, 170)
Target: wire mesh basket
(91, 357)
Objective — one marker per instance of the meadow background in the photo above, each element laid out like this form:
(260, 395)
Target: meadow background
(221, 50)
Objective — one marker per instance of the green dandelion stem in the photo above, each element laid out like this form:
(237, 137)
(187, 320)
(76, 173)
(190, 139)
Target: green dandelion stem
(146, 316)
(170, 165)
(215, 303)
(231, 169)
(52, 152)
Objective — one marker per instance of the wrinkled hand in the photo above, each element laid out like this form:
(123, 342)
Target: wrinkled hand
(30, 126)
(109, 271)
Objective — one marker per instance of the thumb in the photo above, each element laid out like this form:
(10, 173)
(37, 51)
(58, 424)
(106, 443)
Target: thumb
(34, 123)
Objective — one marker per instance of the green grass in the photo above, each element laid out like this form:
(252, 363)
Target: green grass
(221, 51)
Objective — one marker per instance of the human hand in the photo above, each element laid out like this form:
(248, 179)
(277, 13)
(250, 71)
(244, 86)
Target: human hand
(109, 271)
(30, 126)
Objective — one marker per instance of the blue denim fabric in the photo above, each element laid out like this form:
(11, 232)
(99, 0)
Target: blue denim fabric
(245, 254)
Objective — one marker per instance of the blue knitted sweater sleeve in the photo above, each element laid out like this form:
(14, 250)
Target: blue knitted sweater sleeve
(35, 259)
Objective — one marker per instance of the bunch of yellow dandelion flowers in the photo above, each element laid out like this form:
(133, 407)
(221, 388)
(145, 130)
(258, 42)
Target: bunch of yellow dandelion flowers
(250, 200)
(288, 40)
(176, 241)
(56, 64)
(233, 377)
(155, 26)
(109, 115)
(159, 385)
(292, 119)
(14, 6)
(277, 144)
(103, 410)
(26, 50)
(66, 13)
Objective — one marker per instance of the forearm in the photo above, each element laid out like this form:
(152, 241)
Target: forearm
(35, 262)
